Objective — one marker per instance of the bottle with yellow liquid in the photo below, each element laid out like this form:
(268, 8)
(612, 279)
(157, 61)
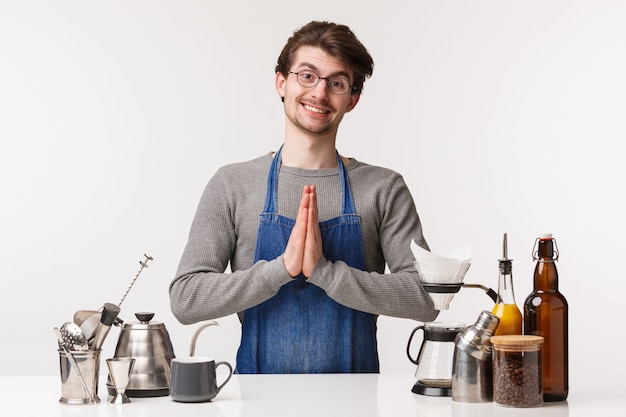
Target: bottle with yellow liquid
(506, 309)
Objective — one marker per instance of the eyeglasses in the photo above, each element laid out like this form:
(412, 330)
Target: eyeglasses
(337, 85)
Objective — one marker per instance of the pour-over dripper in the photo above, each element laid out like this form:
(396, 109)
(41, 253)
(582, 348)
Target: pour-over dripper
(442, 281)
(442, 276)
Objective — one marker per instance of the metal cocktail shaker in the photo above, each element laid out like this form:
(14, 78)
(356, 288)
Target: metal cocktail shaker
(472, 372)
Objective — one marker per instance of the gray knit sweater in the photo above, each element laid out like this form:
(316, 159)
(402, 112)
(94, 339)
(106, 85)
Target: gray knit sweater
(224, 230)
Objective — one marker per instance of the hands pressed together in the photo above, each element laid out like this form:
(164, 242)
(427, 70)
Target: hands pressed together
(304, 248)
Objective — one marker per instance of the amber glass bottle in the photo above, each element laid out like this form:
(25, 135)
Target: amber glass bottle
(506, 308)
(546, 314)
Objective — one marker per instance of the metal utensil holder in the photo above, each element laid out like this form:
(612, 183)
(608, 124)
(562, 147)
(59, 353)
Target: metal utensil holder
(72, 388)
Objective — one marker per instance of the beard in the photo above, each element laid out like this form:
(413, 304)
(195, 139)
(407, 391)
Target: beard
(309, 124)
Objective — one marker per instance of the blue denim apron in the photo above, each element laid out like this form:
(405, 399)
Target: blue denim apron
(301, 329)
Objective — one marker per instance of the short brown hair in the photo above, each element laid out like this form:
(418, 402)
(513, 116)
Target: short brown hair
(336, 40)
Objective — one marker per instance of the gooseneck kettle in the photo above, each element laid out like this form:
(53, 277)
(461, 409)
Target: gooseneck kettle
(149, 343)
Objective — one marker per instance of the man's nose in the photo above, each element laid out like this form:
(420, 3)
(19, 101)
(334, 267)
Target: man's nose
(321, 88)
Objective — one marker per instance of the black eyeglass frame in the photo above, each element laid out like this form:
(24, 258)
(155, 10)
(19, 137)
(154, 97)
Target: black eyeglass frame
(351, 88)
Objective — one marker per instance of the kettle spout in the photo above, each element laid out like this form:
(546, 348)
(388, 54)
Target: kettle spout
(192, 349)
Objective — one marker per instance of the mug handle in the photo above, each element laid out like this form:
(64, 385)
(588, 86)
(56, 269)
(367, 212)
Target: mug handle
(230, 374)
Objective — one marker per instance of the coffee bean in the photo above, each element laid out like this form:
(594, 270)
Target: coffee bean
(517, 378)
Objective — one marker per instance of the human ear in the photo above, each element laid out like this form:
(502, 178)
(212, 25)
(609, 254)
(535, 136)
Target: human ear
(280, 82)
(354, 98)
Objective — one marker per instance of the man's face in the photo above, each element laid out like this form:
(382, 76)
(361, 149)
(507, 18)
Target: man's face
(315, 110)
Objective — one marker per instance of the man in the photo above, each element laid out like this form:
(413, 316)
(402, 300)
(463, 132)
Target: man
(307, 232)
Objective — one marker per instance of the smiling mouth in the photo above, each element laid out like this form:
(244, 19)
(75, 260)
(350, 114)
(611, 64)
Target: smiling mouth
(315, 109)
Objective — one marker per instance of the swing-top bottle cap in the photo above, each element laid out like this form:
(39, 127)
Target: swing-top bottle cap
(545, 236)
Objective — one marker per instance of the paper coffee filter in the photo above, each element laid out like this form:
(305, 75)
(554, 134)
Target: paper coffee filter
(449, 269)
(441, 301)
(438, 269)
(462, 254)
(441, 273)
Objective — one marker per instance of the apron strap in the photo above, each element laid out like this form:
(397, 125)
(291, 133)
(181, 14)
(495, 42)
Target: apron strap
(272, 185)
(347, 202)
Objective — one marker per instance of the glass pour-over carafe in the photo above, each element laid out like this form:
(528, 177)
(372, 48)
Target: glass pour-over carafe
(434, 360)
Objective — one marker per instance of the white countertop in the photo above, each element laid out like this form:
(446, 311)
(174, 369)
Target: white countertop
(362, 395)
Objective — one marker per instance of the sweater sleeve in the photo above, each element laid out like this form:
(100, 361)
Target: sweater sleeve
(201, 289)
(398, 293)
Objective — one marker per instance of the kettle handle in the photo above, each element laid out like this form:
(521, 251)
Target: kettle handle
(192, 349)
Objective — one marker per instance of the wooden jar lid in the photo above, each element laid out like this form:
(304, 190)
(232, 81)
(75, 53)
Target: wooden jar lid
(517, 340)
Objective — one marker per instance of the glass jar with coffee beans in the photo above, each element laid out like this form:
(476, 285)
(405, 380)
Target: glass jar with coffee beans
(517, 373)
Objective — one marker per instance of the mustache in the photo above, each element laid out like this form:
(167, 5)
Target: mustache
(317, 104)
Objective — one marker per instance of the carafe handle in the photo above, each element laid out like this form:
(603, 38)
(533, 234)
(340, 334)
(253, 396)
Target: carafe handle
(408, 345)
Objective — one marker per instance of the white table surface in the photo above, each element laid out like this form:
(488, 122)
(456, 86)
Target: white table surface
(362, 395)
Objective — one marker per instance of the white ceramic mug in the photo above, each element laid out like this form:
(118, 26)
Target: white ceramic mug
(193, 379)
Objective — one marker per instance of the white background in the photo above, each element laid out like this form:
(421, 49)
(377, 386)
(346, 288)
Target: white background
(503, 116)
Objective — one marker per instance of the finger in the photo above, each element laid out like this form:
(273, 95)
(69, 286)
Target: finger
(313, 246)
(294, 252)
(313, 206)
